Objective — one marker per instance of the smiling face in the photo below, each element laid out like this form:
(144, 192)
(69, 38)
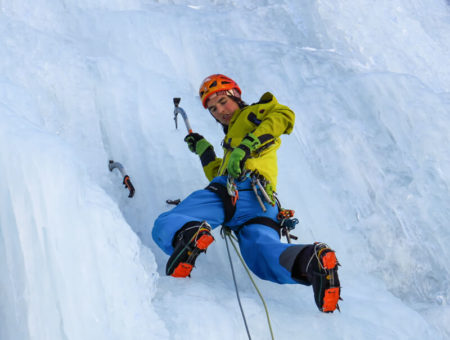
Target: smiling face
(222, 108)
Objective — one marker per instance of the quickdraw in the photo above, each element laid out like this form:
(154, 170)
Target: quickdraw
(287, 223)
(232, 190)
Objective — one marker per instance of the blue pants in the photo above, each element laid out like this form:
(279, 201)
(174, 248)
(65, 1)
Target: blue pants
(260, 245)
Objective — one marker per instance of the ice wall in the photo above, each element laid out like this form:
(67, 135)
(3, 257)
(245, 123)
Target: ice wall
(366, 169)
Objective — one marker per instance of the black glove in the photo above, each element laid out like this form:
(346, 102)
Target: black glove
(197, 143)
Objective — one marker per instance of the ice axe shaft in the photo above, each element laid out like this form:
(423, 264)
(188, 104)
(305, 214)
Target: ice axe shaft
(179, 110)
(126, 179)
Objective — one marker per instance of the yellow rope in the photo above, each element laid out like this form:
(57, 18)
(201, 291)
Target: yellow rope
(227, 232)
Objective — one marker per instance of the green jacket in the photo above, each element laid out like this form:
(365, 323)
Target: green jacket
(267, 120)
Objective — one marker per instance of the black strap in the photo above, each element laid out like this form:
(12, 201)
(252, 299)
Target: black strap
(228, 206)
(207, 156)
(180, 233)
(264, 221)
(230, 210)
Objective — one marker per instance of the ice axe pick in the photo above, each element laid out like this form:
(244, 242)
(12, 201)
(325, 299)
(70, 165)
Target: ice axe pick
(179, 110)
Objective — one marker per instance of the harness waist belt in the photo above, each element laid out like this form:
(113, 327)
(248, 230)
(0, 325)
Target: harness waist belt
(230, 210)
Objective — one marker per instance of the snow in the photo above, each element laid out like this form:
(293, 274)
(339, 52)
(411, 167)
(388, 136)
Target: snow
(367, 168)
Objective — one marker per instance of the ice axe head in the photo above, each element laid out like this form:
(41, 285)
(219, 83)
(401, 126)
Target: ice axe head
(179, 110)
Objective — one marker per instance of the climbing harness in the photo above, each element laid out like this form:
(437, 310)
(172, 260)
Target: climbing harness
(229, 195)
(229, 202)
(226, 233)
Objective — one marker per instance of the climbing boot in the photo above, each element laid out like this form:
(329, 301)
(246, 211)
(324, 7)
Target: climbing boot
(189, 242)
(322, 272)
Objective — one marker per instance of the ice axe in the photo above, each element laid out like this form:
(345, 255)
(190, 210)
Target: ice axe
(179, 110)
(126, 179)
(176, 111)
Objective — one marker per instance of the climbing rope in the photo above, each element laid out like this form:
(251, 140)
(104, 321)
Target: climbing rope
(226, 232)
(236, 288)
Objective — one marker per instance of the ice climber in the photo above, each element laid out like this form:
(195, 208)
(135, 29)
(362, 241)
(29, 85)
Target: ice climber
(252, 137)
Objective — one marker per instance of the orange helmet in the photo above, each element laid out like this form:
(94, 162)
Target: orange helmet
(218, 84)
